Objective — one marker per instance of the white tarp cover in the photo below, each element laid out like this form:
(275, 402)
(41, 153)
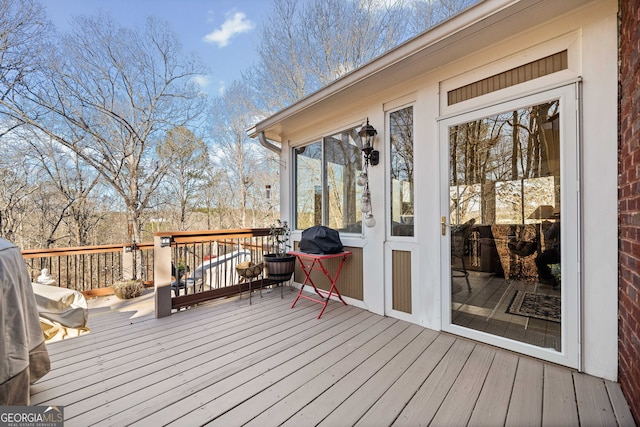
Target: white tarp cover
(23, 355)
(63, 312)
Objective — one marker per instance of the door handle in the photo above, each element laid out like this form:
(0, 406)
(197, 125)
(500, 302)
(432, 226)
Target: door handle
(443, 225)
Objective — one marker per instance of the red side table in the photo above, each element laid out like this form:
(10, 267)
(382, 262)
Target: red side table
(310, 262)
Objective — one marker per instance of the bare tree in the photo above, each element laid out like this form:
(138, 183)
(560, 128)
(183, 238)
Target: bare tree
(339, 36)
(279, 76)
(68, 196)
(109, 94)
(24, 31)
(247, 165)
(304, 46)
(232, 143)
(186, 175)
(428, 13)
(210, 199)
(17, 184)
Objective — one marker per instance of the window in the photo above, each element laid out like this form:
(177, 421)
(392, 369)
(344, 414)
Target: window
(325, 183)
(401, 141)
(308, 185)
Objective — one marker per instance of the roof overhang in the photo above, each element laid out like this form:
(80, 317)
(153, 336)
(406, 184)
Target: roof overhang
(484, 24)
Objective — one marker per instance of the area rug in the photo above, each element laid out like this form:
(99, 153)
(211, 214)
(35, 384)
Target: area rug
(540, 306)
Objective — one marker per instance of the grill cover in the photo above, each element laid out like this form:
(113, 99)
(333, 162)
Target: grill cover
(320, 240)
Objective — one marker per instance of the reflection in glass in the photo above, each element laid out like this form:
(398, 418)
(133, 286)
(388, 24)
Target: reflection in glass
(343, 163)
(401, 140)
(326, 190)
(308, 162)
(505, 194)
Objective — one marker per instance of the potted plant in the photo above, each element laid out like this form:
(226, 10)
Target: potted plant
(126, 289)
(279, 264)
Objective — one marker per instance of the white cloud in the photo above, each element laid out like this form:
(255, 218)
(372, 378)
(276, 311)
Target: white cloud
(201, 80)
(236, 23)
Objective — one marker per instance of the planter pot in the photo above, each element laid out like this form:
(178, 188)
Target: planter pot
(128, 289)
(279, 268)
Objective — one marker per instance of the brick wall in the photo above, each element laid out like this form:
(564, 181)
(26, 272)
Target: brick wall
(629, 204)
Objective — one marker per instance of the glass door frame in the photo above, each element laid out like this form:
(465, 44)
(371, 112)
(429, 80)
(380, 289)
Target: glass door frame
(569, 217)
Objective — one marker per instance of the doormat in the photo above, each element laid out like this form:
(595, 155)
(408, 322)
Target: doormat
(540, 306)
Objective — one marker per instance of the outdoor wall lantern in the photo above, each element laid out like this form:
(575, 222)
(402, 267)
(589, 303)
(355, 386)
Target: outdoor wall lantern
(165, 241)
(367, 135)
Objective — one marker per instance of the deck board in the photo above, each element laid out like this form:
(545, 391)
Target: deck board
(340, 390)
(593, 401)
(620, 407)
(525, 408)
(230, 363)
(367, 396)
(457, 407)
(244, 358)
(256, 379)
(395, 399)
(425, 403)
(315, 387)
(132, 348)
(493, 402)
(559, 398)
(268, 400)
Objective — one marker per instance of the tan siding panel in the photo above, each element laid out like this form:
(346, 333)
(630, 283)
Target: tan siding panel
(350, 283)
(401, 266)
(521, 74)
(508, 78)
(543, 66)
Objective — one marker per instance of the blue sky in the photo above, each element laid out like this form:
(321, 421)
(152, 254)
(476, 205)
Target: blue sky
(223, 32)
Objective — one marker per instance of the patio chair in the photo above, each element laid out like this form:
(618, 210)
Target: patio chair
(459, 238)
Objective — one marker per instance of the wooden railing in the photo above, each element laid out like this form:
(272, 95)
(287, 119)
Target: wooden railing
(88, 268)
(195, 266)
(200, 265)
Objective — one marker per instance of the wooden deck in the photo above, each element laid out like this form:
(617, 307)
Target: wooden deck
(231, 363)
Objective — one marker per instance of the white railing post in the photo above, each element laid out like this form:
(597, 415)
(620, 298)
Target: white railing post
(162, 277)
(127, 263)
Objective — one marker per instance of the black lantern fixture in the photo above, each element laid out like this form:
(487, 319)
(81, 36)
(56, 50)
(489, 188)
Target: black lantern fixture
(367, 135)
(165, 241)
